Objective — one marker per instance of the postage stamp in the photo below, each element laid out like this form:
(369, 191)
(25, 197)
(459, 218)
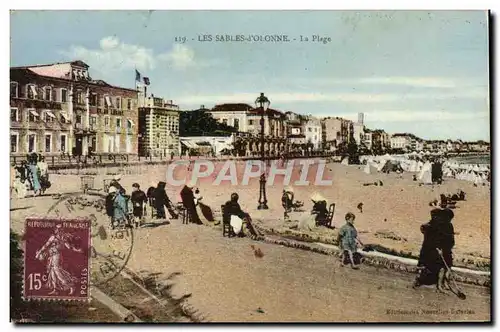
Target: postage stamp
(56, 259)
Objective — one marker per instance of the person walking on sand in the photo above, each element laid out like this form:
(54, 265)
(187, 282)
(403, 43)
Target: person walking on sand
(34, 174)
(348, 240)
(138, 199)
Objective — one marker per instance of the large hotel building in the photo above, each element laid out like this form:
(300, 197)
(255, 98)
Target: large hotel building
(58, 108)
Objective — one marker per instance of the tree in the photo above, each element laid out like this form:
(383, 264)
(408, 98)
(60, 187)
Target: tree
(201, 123)
(352, 147)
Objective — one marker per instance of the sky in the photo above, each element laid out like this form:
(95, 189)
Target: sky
(407, 71)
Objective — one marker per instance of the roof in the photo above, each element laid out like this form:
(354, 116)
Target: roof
(78, 63)
(231, 107)
(27, 71)
(269, 112)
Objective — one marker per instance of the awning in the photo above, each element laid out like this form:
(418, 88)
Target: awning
(204, 143)
(65, 116)
(34, 113)
(131, 122)
(189, 144)
(49, 113)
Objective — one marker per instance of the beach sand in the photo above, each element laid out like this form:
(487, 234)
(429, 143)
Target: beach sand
(399, 206)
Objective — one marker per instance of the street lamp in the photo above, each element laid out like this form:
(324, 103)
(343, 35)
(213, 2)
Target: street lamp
(263, 104)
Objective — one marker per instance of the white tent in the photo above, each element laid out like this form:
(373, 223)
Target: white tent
(370, 168)
(426, 173)
(345, 161)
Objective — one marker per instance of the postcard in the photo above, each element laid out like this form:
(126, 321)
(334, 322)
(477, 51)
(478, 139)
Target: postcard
(250, 167)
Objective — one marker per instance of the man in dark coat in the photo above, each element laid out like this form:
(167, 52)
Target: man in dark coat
(161, 200)
(138, 199)
(187, 196)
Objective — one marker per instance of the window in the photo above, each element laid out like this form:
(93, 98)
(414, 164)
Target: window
(93, 99)
(93, 121)
(64, 96)
(129, 104)
(237, 124)
(48, 116)
(118, 123)
(64, 117)
(48, 142)
(129, 124)
(79, 97)
(315, 130)
(309, 129)
(93, 144)
(14, 143)
(14, 93)
(47, 93)
(78, 118)
(118, 103)
(106, 121)
(33, 116)
(31, 142)
(62, 142)
(14, 114)
(107, 101)
(31, 91)
(250, 122)
(224, 121)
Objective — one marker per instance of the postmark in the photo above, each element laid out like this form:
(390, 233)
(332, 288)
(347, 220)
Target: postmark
(110, 249)
(56, 259)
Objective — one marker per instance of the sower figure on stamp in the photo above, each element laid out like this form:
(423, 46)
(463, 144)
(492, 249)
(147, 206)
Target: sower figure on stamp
(58, 279)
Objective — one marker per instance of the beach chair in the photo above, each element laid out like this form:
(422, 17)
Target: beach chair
(331, 212)
(328, 219)
(226, 223)
(183, 213)
(87, 182)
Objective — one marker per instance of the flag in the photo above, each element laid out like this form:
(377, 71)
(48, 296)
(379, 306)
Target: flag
(137, 76)
(146, 80)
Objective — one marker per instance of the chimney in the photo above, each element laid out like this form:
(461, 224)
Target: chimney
(202, 107)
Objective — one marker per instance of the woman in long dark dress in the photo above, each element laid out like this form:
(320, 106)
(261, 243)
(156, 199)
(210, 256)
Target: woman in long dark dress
(438, 236)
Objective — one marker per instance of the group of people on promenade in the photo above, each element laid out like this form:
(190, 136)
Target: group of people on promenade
(435, 259)
(32, 174)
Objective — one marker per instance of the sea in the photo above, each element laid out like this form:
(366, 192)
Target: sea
(483, 159)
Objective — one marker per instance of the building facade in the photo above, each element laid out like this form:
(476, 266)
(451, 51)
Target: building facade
(401, 141)
(247, 119)
(58, 108)
(313, 132)
(334, 131)
(158, 127)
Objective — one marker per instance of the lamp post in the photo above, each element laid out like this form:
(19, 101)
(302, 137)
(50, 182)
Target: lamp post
(263, 104)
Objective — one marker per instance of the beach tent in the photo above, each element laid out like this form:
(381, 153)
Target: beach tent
(391, 166)
(345, 161)
(426, 173)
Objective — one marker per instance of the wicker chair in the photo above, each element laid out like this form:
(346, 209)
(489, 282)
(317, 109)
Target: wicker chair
(226, 223)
